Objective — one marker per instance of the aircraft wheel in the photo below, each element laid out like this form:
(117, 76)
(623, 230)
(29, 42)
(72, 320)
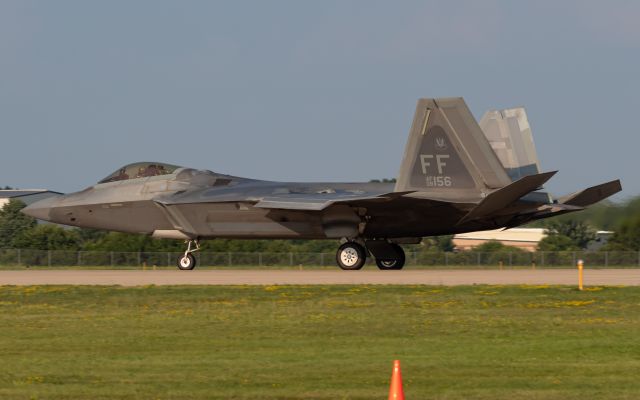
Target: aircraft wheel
(186, 262)
(394, 263)
(351, 256)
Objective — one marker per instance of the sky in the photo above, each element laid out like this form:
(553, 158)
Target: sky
(307, 91)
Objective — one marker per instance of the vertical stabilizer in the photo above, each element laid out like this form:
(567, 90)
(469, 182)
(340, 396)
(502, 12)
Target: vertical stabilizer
(447, 153)
(510, 136)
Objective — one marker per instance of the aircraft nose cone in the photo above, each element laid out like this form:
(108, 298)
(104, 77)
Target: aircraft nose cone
(41, 209)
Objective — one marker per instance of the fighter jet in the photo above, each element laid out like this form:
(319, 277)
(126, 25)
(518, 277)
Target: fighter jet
(455, 177)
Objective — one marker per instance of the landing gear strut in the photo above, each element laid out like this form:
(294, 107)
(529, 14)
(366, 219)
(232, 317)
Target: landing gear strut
(188, 261)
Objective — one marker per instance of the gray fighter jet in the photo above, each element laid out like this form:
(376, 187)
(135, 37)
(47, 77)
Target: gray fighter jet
(455, 177)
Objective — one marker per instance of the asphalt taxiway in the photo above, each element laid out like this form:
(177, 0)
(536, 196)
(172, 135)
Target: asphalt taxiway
(630, 277)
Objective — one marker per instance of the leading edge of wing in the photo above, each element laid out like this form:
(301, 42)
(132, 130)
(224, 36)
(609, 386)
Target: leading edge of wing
(319, 204)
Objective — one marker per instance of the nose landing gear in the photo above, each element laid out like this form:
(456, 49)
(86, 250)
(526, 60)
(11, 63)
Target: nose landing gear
(187, 261)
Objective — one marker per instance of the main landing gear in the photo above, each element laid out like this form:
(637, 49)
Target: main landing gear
(188, 261)
(352, 255)
(392, 263)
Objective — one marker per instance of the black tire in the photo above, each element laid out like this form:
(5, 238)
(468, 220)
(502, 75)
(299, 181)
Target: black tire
(386, 265)
(351, 256)
(394, 263)
(187, 263)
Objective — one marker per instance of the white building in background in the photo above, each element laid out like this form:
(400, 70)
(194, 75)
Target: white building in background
(27, 196)
(523, 238)
(602, 237)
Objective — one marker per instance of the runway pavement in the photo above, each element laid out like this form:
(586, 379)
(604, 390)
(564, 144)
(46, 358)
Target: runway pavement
(322, 277)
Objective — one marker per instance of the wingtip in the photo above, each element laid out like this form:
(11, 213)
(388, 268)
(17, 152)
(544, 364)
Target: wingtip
(550, 173)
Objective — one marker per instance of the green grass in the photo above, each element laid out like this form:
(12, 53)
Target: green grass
(319, 342)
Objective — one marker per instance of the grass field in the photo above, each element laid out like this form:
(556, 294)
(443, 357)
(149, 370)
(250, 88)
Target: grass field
(320, 342)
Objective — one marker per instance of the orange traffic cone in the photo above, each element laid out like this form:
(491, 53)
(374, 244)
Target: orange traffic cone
(395, 391)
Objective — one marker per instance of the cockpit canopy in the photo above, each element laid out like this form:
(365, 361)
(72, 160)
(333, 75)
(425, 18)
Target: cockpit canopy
(140, 170)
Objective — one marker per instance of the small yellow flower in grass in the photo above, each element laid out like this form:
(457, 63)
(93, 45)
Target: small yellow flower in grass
(29, 380)
(598, 321)
(30, 289)
(574, 303)
(561, 304)
(486, 292)
(534, 287)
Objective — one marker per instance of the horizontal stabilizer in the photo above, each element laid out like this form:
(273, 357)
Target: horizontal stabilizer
(592, 195)
(507, 195)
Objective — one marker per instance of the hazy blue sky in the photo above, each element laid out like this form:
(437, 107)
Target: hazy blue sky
(300, 90)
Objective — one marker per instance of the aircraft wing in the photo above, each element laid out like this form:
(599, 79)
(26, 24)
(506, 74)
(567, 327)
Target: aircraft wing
(316, 201)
